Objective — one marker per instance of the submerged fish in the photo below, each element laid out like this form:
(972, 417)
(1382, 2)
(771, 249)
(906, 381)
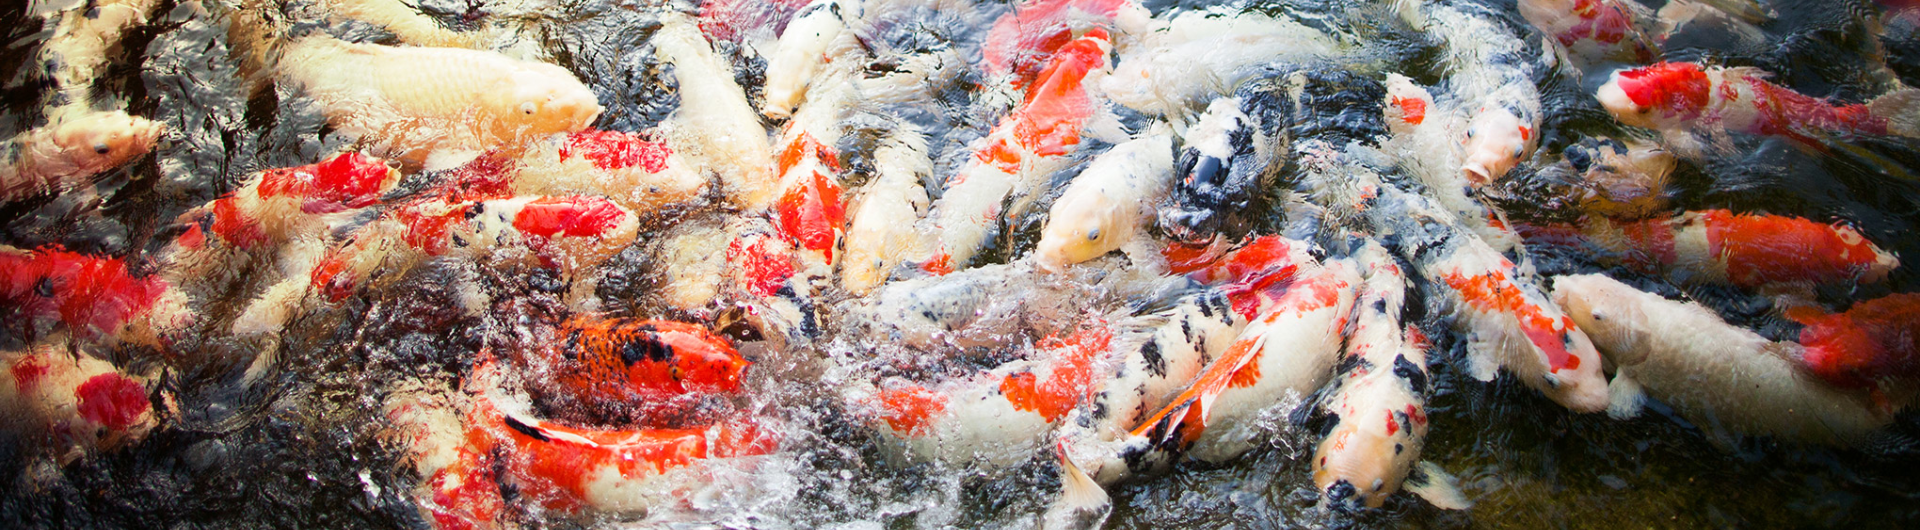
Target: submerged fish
(802, 49)
(714, 123)
(639, 173)
(1492, 81)
(1722, 378)
(1620, 180)
(91, 297)
(1744, 250)
(70, 149)
(74, 402)
(1193, 56)
(881, 233)
(1593, 31)
(84, 39)
(1870, 343)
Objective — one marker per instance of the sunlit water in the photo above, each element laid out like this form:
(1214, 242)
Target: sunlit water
(305, 446)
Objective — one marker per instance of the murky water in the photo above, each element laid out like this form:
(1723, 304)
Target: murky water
(300, 441)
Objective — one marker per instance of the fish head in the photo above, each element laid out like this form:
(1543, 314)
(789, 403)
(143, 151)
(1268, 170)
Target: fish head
(113, 409)
(1079, 228)
(1642, 96)
(98, 141)
(546, 100)
(1496, 141)
(1606, 311)
(1360, 467)
(702, 361)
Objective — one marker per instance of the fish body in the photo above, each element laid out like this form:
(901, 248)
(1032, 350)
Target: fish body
(1683, 97)
(407, 22)
(719, 128)
(1378, 406)
(634, 361)
(642, 174)
(1229, 154)
(93, 297)
(1872, 342)
(800, 52)
(1023, 41)
(881, 232)
(409, 102)
(70, 149)
(84, 39)
(1508, 322)
(1722, 378)
(1492, 79)
(1744, 250)
(1025, 145)
(1594, 31)
(1197, 55)
(72, 402)
(1107, 204)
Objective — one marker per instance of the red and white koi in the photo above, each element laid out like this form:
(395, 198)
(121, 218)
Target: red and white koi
(1744, 250)
(1492, 78)
(811, 211)
(638, 172)
(72, 403)
(1023, 42)
(1869, 344)
(800, 52)
(70, 149)
(1723, 378)
(1024, 147)
(1508, 322)
(881, 233)
(1378, 406)
(1595, 31)
(1680, 98)
(92, 297)
(715, 124)
(1107, 205)
(996, 418)
(1424, 141)
(1197, 55)
(411, 103)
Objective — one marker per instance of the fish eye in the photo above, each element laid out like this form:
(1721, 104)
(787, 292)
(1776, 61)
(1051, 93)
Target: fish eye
(1597, 317)
(1470, 131)
(674, 372)
(1517, 151)
(1093, 234)
(101, 148)
(528, 108)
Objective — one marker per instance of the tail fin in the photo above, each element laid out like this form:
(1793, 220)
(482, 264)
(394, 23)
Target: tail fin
(1437, 487)
(1901, 108)
(1082, 503)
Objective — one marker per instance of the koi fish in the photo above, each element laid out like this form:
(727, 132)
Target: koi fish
(1023, 42)
(1231, 153)
(71, 148)
(1423, 135)
(881, 234)
(632, 361)
(998, 417)
(94, 297)
(1377, 412)
(1508, 321)
(412, 102)
(802, 48)
(568, 233)
(975, 307)
(1681, 98)
(1107, 204)
(1744, 250)
(641, 174)
(722, 133)
(1869, 343)
(1025, 145)
(1593, 31)
(1199, 54)
(1492, 75)
(1620, 180)
(1722, 378)
(406, 21)
(77, 52)
(73, 401)
(811, 211)
(1290, 349)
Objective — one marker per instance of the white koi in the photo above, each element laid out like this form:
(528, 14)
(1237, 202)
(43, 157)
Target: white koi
(716, 124)
(1107, 205)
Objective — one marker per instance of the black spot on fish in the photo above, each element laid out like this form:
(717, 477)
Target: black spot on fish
(528, 430)
(1340, 491)
(1399, 448)
(1100, 411)
(1349, 363)
(1186, 330)
(1150, 352)
(645, 346)
(44, 287)
(573, 346)
(1416, 376)
(1380, 306)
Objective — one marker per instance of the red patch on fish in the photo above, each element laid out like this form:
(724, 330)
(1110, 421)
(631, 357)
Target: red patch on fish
(1600, 21)
(1763, 249)
(236, 227)
(570, 216)
(1066, 385)
(616, 150)
(1048, 122)
(1412, 110)
(1392, 425)
(1495, 292)
(556, 466)
(910, 410)
(812, 213)
(1415, 415)
(474, 502)
(488, 177)
(728, 20)
(1784, 112)
(428, 231)
(113, 400)
(328, 277)
(91, 295)
(192, 239)
(1020, 42)
(1651, 244)
(28, 372)
(631, 359)
(1680, 89)
(763, 262)
(1873, 341)
(941, 264)
(350, 180)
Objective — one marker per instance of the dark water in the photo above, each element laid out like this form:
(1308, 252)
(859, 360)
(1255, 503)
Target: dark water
(304, 446)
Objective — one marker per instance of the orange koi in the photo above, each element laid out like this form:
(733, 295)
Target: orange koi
(1022, 41)
(624, 360)
(1745, 250)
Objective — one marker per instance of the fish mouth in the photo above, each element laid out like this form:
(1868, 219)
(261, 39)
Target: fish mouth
(1476, 173)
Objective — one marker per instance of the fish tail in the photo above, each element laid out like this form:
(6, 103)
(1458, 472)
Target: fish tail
(1082, 502)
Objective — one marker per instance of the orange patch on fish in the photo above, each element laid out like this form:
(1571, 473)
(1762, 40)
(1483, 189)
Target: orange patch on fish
(762, 262)
(1412, 110)
(813, 214)
(622, 359)
(1495, 292)
(1874, 340)
(1678, 88)
(235, 226)
(1763, 249)
(910, 410)
(1066, 385)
